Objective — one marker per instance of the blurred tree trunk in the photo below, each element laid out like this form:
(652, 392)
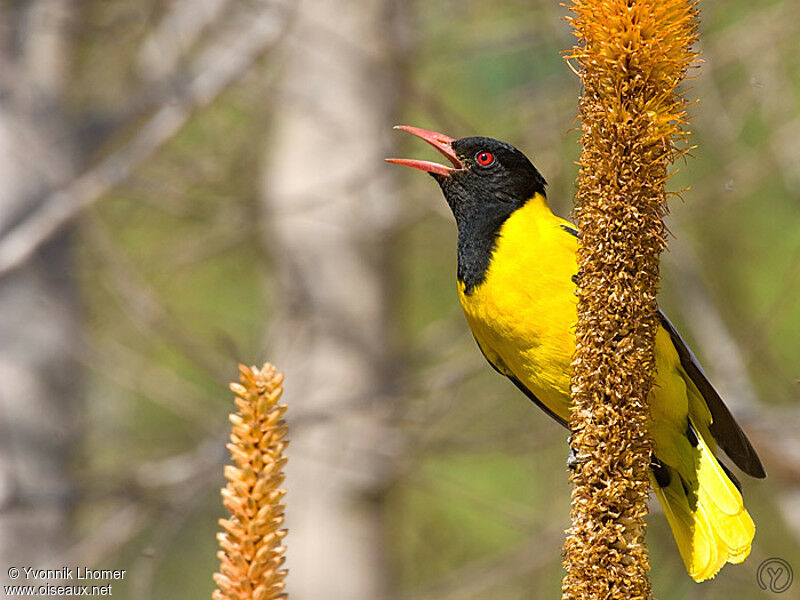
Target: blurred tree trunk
(39, 313)
(328, 208)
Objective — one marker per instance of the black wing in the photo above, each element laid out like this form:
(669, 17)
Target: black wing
(724, 428)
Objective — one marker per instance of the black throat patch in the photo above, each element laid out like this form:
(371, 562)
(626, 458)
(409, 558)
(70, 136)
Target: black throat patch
(482, 196)
(477, 239)
(480, 215)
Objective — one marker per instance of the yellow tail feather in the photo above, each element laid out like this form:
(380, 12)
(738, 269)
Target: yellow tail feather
(710, 524)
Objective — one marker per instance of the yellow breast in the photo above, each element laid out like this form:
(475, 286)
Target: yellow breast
(523, 313)
(523, 317)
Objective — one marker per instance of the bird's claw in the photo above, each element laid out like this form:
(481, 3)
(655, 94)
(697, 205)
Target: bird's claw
(572, 460)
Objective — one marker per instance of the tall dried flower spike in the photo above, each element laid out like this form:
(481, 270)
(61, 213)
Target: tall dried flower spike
(252, 551)
(631, 55)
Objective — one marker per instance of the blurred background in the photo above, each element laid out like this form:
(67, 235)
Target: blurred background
(189, 184)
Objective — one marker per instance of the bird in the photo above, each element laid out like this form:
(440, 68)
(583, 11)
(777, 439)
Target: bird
(516, 280)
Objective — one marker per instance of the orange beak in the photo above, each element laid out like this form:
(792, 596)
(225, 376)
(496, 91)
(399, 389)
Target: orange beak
(441, 142)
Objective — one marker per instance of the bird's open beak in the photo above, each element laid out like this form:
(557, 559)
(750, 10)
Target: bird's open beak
(441, 142)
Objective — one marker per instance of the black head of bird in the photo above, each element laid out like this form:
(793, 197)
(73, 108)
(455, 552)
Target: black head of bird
(488, 181)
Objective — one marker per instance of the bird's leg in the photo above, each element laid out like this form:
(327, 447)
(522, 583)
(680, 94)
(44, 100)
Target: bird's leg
(572, 458)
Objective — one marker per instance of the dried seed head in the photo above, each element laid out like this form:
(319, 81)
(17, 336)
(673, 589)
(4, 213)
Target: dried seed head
(631, 58)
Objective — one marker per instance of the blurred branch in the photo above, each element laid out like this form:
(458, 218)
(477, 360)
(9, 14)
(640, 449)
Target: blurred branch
(183, 468)
(768, 93)
(494, 506)
(179, 482)
(130, 517)
(126, 521)
(213, 71)
(162, 386)
(477, 578)
(146, 307)
(216, 242)
(174, 36)
(789, 503)
(154, 483)
(179, 512)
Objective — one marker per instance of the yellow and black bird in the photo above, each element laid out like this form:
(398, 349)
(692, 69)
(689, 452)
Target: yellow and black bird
(516, 268)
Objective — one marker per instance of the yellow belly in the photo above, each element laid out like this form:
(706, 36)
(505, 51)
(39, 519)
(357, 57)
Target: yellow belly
(523, 317)
(523, 314)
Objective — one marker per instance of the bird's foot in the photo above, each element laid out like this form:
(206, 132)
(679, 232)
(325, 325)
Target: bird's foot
(572, 460)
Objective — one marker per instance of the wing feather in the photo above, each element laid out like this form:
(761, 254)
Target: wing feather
(724, 428)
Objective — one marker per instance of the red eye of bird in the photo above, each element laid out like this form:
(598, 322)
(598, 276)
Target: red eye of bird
(484, 159)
